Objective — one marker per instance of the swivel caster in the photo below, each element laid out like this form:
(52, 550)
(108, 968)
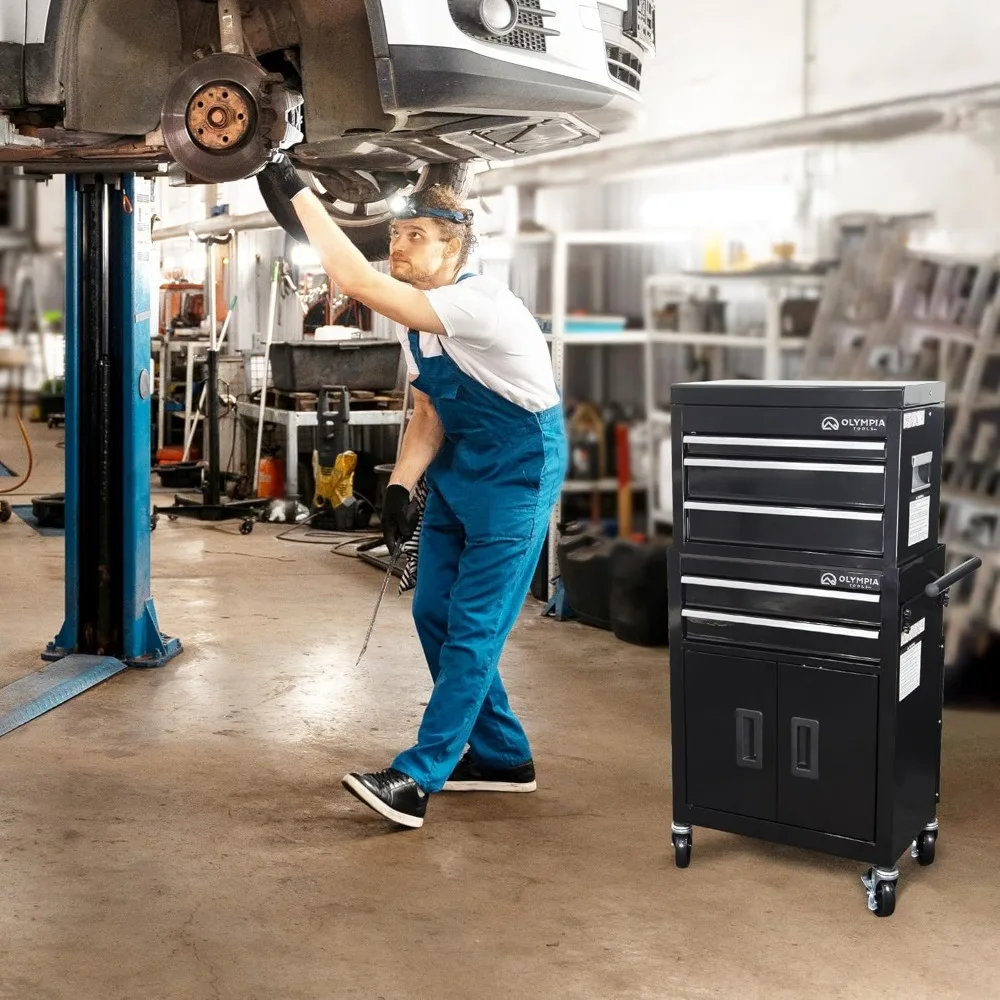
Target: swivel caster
(681, 837)
(6, 511)
(246, 527)
(881, 886)
(923, 848)
(153, 522)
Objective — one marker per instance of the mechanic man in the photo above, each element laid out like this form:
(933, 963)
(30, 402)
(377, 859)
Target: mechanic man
(488, 431)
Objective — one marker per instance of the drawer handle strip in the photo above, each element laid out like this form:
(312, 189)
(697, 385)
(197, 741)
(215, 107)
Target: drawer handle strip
(735, 463)
(830, 444)
(721, 616)
(743, 508)
(773, 588)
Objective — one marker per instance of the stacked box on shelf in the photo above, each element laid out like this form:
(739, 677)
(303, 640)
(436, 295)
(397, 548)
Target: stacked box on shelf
(806, 619)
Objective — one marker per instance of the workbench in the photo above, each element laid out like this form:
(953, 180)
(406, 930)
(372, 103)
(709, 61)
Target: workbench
(295, 420)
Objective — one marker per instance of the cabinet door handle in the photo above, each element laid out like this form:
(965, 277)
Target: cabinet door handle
(749, 738)
(805, 748)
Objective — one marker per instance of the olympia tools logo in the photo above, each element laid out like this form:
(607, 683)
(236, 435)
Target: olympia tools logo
(849, 581)
(853, 423)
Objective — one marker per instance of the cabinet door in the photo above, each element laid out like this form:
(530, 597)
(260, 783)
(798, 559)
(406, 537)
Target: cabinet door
(827, 743)
(730, 740)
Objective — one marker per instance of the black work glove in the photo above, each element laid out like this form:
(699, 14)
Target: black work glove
(400, 515)
(279, 183)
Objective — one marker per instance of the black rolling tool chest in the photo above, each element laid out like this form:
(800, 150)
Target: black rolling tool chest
(806, 593)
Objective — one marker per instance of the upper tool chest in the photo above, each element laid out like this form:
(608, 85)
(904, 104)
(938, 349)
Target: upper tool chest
(841, 469)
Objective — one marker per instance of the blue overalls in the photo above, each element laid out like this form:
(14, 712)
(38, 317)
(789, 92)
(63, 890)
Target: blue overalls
(491, 491)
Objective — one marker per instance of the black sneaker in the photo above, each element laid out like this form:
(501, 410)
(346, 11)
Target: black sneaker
(391, 793)
(469, 776)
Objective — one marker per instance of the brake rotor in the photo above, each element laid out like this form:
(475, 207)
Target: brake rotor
(217, 119)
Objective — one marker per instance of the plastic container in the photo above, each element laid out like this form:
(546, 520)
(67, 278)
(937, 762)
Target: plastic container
(180, 475)
(585, 568)
(638, 601)
(271, 478)
(358, 364)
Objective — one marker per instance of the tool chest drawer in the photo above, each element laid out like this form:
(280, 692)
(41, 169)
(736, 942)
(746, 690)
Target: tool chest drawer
(823, 484)
(791, 607)
(778, 526)
(739, 446)
(827, 604)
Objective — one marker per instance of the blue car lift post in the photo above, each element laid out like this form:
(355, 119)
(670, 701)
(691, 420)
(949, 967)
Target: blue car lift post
(110, 621)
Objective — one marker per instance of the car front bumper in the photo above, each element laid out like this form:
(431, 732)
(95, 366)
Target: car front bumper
(567, 66)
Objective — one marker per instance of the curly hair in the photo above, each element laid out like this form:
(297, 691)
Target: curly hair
(440, 196)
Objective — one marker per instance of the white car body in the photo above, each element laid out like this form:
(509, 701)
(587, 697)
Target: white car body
(394, 93)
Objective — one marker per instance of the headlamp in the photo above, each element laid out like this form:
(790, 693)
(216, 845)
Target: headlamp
(410, 208)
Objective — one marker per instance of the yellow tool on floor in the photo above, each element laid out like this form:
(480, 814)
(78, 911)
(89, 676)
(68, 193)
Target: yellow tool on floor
(334, 484)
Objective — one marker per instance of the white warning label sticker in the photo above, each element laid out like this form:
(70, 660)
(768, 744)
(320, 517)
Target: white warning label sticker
(909, 670)
(920, 521)
(913, 418)
(916, 629)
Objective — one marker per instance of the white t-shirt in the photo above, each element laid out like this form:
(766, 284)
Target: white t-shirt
(493, 338)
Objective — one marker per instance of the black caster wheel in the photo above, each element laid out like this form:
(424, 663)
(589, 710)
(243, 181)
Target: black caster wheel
(153, 522)
(246, 527)
(926, 843)
(6, 512)
(682, 849)
(885, 899)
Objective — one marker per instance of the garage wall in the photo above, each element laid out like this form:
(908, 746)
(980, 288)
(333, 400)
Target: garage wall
(727, 63)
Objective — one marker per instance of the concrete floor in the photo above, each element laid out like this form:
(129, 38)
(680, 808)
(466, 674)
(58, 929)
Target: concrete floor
(182, 833)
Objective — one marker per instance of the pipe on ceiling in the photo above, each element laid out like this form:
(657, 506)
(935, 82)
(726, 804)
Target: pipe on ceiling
(870, 123)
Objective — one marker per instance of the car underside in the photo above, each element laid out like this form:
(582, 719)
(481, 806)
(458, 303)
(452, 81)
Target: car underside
(371, 97)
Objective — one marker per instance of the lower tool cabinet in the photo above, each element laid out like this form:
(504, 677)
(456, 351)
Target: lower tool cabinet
(784, 742)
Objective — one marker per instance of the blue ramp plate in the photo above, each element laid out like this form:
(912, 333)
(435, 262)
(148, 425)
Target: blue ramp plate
(51, 686)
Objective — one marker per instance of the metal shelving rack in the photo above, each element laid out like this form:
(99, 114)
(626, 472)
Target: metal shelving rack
(561, 339)
(773, 344)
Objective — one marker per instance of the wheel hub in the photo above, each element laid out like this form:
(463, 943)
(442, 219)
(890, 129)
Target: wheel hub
(223, 116)
(220, 116)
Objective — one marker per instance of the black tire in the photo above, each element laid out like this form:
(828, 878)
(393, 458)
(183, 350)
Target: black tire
(6, 511)
(926, 844)
(885, 899)
(682, 850)
(153, 522)
(371, 236)
(246, 527)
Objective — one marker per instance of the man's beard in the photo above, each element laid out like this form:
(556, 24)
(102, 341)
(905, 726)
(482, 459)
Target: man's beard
(405, 272)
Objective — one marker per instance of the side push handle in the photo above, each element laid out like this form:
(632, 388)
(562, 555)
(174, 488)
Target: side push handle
(960, 572)
(749, 739)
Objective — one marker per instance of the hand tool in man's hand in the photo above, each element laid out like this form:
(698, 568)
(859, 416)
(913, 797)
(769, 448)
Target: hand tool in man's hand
(378, 604)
